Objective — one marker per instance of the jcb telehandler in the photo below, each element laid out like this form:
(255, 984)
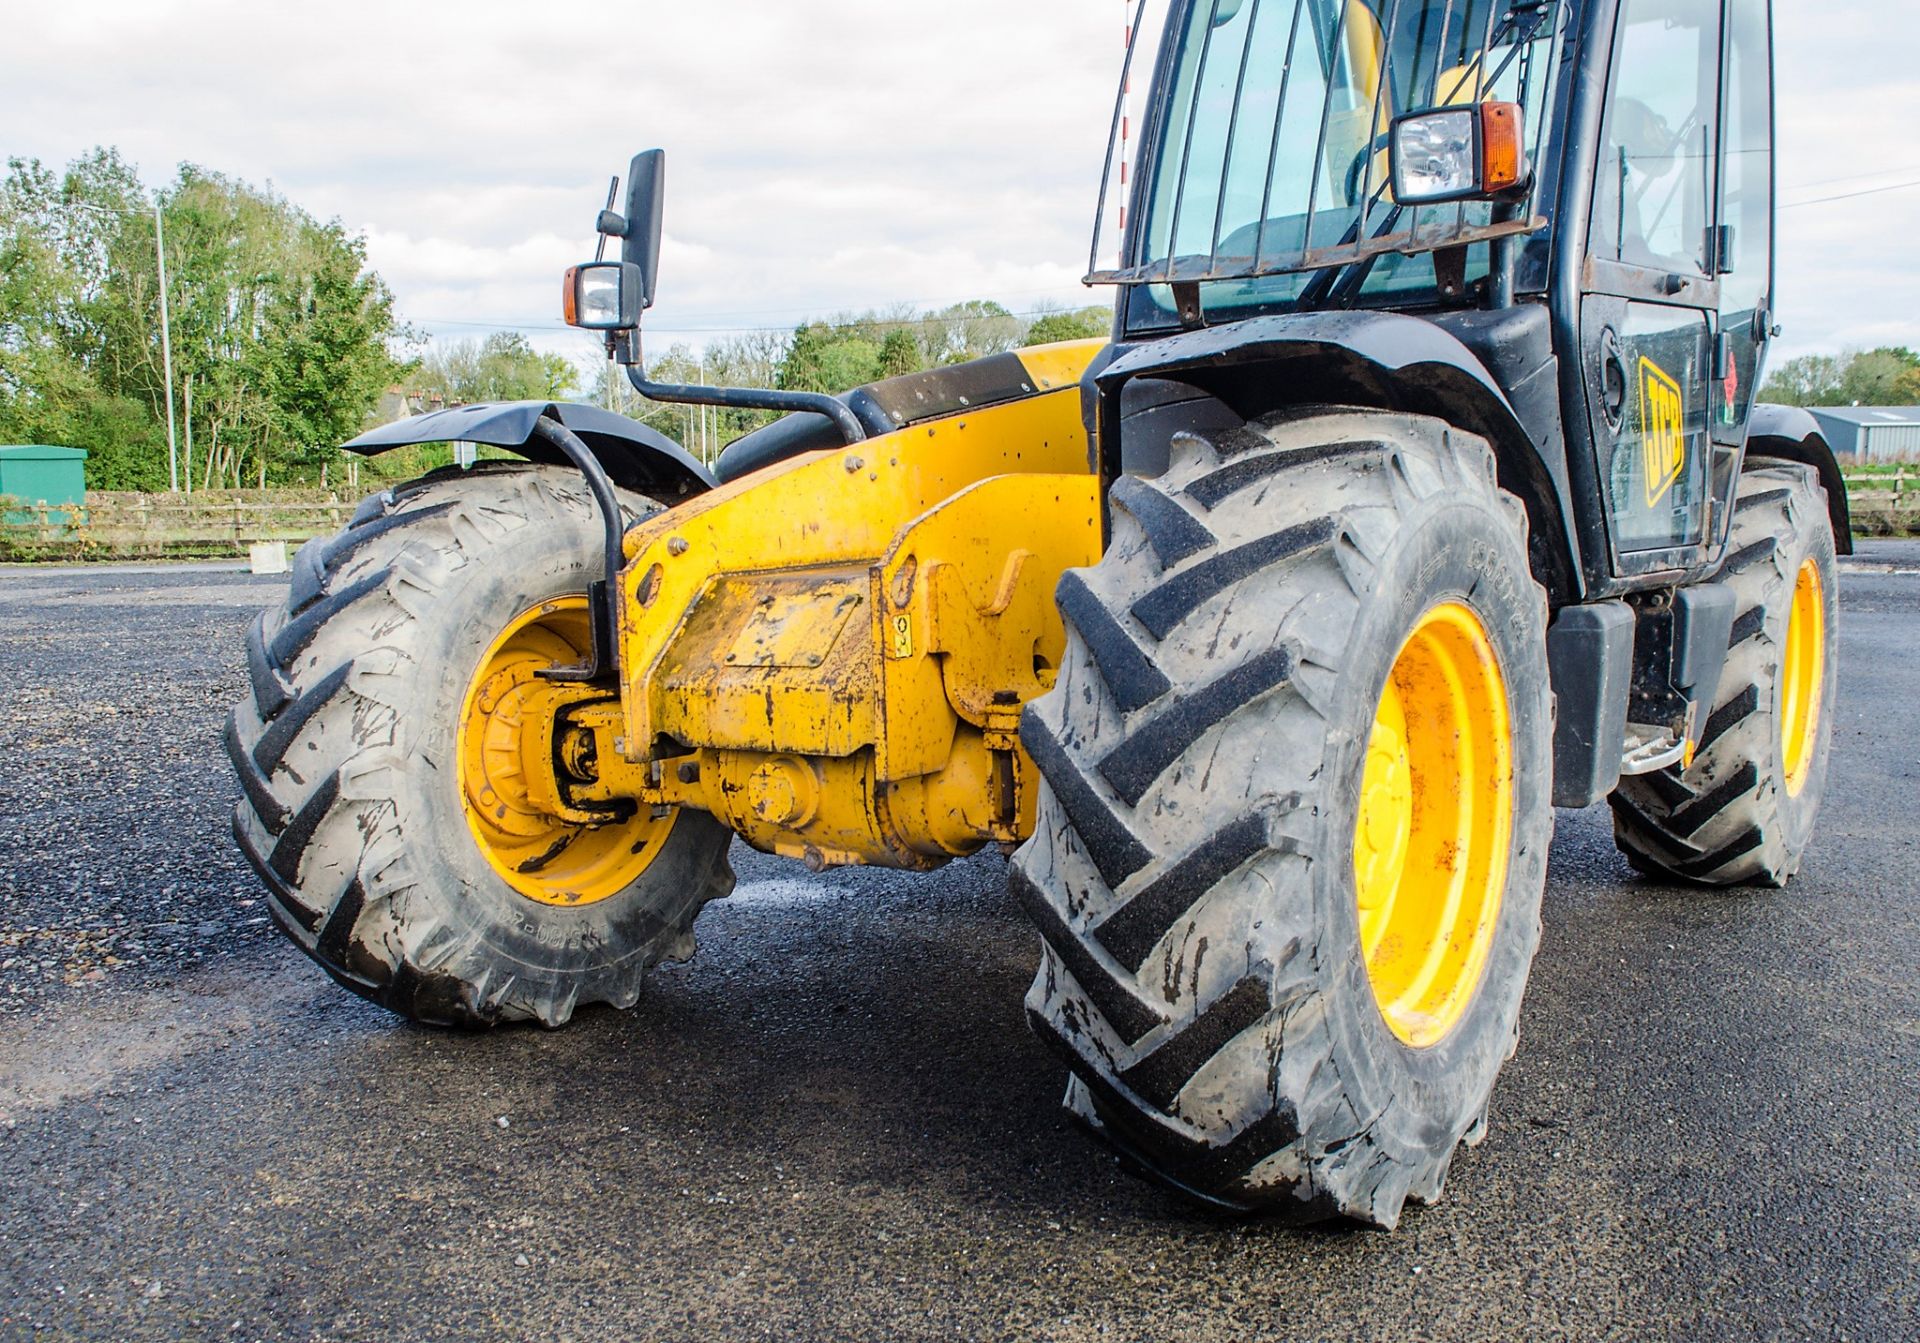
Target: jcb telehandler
(1420, 490)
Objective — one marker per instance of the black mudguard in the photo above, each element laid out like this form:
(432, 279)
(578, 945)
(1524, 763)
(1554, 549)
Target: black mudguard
(1790, 434)
(635, 457)
(1390, 361)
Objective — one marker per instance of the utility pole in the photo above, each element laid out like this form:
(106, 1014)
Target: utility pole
(186, 410)
(166, 348)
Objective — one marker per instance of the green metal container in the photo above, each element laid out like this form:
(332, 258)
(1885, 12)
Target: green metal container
(32, 473)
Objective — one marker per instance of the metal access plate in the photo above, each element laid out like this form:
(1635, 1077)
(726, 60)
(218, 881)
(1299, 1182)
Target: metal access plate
(790, 623)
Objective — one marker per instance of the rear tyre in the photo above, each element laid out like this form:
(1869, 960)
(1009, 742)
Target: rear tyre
(1290, 852)
(1742, 814)
(381, 716)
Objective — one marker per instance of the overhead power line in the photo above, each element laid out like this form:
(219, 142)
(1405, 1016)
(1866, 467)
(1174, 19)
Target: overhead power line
(729, 329)
(920, 303)
(1849, 195)
(1854, 177)
(749, 329)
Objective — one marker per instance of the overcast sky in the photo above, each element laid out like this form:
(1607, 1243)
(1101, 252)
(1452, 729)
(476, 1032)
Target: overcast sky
(824, 155)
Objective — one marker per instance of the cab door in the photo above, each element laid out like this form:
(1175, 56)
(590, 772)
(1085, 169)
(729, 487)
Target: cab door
(1651, 290)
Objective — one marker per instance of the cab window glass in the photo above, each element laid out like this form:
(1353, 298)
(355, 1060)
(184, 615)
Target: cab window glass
(1237, 59)
(1748, 210)
(1271, 142)
(1653, 181)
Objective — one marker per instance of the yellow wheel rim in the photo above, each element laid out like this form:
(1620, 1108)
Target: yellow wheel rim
(1802, 675)
(1434, 826)
(547, 858)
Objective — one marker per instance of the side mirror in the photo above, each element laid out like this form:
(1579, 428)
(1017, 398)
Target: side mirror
(646, 194)
(611, 295)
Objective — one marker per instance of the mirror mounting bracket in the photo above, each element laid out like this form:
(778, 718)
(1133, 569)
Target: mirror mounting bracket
(603, 594)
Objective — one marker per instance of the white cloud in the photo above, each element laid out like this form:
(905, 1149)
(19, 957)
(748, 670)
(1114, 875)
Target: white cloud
(824, 156)
(1848, 94)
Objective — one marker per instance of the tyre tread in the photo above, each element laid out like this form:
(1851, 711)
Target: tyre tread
(315, 841)
(1135, 1024)
(1723, 819)
(1174, 533)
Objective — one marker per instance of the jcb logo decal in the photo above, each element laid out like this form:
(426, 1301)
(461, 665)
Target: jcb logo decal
(1663, 435)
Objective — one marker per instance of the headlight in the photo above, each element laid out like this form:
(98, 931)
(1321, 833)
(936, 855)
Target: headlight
(601, 296)
(1457, 153)
(1435, 158)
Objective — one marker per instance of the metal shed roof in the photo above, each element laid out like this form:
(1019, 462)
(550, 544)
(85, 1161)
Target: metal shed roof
(1871, 414)
(41, 452)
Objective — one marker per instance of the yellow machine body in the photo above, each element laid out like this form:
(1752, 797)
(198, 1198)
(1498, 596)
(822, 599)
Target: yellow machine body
(831, 654)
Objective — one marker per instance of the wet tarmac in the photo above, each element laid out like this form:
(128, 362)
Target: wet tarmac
(834, 1124)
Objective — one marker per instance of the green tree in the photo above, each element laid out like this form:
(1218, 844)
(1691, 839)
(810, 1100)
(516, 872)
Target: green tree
(969, 330)
(331, 362)
(1886, 376)
(1805, 381)
(1874, 377)
(503, 367)
(51, 239)
(282, 337)
(126, 447)
(226, 256)
(823, 359)
(899, 353)
(1084, 324)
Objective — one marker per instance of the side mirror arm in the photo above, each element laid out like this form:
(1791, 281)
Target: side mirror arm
(739, 398)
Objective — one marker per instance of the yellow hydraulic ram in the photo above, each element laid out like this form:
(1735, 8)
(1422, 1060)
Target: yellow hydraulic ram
(831, 654)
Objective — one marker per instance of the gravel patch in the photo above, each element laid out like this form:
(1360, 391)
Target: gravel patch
(117, 868)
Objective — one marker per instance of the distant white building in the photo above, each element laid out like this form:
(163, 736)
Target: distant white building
(1871, 433)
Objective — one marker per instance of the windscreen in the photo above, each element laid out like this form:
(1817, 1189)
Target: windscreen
(1265, 148)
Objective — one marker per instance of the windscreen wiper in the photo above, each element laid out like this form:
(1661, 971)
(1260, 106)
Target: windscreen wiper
(1316, 290)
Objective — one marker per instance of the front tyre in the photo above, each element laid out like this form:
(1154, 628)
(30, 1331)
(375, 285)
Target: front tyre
(386, 803)
(1742, 812)
(1289, 859)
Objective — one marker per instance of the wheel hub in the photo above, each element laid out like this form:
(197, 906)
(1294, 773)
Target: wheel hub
(1386, 807)
(1434, 825)
(1802, 673)
(555, 860)
(496, 785)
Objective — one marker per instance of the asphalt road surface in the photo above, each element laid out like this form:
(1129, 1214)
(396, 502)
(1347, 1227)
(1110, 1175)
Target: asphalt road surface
(833, 1123)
